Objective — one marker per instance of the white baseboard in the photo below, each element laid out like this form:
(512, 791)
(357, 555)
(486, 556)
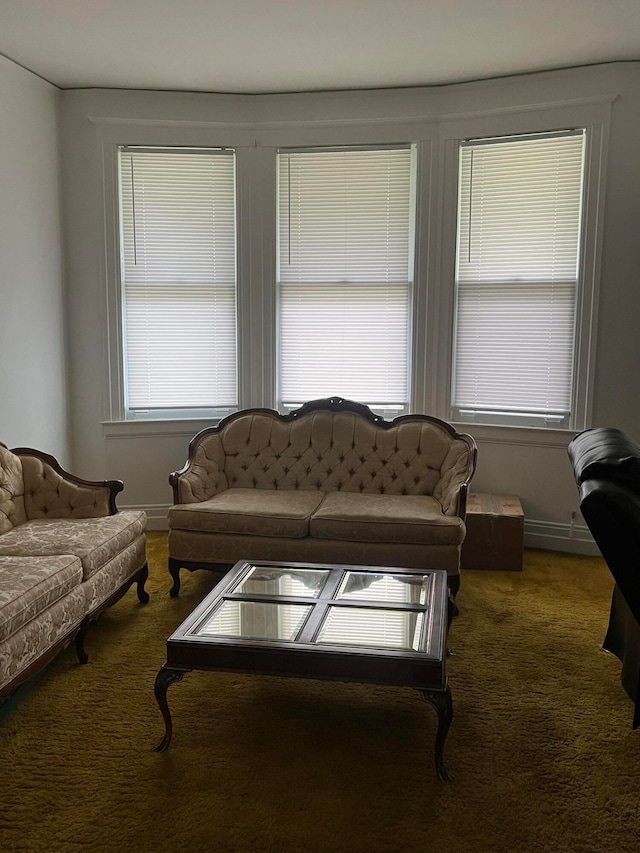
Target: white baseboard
(156, 515)
(551, 536)
(546, 535)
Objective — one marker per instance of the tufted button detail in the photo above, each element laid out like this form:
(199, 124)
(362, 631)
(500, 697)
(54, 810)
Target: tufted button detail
(329, 472)
(286, 469)
(277, 456)
(361, 487)
(363, 459)
(416, 479)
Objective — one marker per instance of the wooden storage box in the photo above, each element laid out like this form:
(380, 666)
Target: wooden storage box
(495, 533)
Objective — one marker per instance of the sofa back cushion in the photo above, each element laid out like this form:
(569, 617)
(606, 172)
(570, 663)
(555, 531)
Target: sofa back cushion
(333, 451)
(12, 510)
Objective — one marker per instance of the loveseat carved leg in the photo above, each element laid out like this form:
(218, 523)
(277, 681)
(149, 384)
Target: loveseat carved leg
(441, 701)
(81, 652)
(453, 582)
(174, 571)
(164, 679)
(143, 595)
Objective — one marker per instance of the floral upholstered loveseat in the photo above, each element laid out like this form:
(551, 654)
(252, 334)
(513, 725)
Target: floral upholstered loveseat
(66, 554)
(331, 482)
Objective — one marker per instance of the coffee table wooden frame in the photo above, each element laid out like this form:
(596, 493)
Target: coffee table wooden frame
(423, 670)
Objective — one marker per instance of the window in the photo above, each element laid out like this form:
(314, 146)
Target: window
(178, 273)
(344, 274)
(518, 279)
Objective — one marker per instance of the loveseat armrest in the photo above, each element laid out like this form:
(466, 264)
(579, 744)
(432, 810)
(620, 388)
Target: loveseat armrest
(52, 492)
(456, 473)
(202, 476)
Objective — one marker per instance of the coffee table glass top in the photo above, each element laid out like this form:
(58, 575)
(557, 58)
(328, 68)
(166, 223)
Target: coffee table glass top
(336, 606)
(378, 628)
(276, 580)
(255, 620)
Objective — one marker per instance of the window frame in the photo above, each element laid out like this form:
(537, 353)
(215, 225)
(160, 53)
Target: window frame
(167, 412)
(594, 118)
(515, 416)
(388, 411)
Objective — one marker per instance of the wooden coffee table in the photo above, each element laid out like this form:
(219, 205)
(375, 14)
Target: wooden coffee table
(337, 623)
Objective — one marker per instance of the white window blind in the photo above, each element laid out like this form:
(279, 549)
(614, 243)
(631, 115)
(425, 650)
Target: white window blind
(178, 268)
(345, 229)
(519, 221)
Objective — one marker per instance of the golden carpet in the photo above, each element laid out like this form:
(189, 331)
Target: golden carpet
(541, 746)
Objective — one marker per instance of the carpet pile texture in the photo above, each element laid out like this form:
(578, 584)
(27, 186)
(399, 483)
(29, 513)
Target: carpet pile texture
(541, 746)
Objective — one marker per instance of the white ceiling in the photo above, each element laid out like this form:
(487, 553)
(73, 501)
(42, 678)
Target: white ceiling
(254, 46)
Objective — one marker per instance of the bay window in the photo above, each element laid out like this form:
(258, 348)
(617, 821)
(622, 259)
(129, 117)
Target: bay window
(452, 274)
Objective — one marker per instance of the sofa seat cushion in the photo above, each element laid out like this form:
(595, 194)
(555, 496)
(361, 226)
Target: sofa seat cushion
(30, 585)
(94, 541)
(415, 519)
(254, 512)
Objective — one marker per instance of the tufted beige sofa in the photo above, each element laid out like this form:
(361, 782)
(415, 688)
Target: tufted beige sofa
(66, 554)
(331, 482)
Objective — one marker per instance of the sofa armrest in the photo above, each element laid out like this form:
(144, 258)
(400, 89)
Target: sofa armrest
(457, 470)
(52, 492)
(202, 476)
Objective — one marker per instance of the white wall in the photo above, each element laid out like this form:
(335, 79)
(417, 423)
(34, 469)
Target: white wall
(33, 387)
(518, 461)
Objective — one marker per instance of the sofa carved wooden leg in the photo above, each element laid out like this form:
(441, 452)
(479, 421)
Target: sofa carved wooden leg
(174, 571)
(81, 652)
(143, 595)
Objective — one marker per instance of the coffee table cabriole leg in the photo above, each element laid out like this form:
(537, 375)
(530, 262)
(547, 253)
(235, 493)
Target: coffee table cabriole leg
(442, 702)
(164, 679)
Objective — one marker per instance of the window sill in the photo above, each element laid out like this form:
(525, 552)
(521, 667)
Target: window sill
(524, 436)
(156, 428)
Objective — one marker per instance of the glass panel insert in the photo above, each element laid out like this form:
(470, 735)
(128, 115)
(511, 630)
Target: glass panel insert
(255, 620)
(273, 580)
(375, 628)
(396, 589)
